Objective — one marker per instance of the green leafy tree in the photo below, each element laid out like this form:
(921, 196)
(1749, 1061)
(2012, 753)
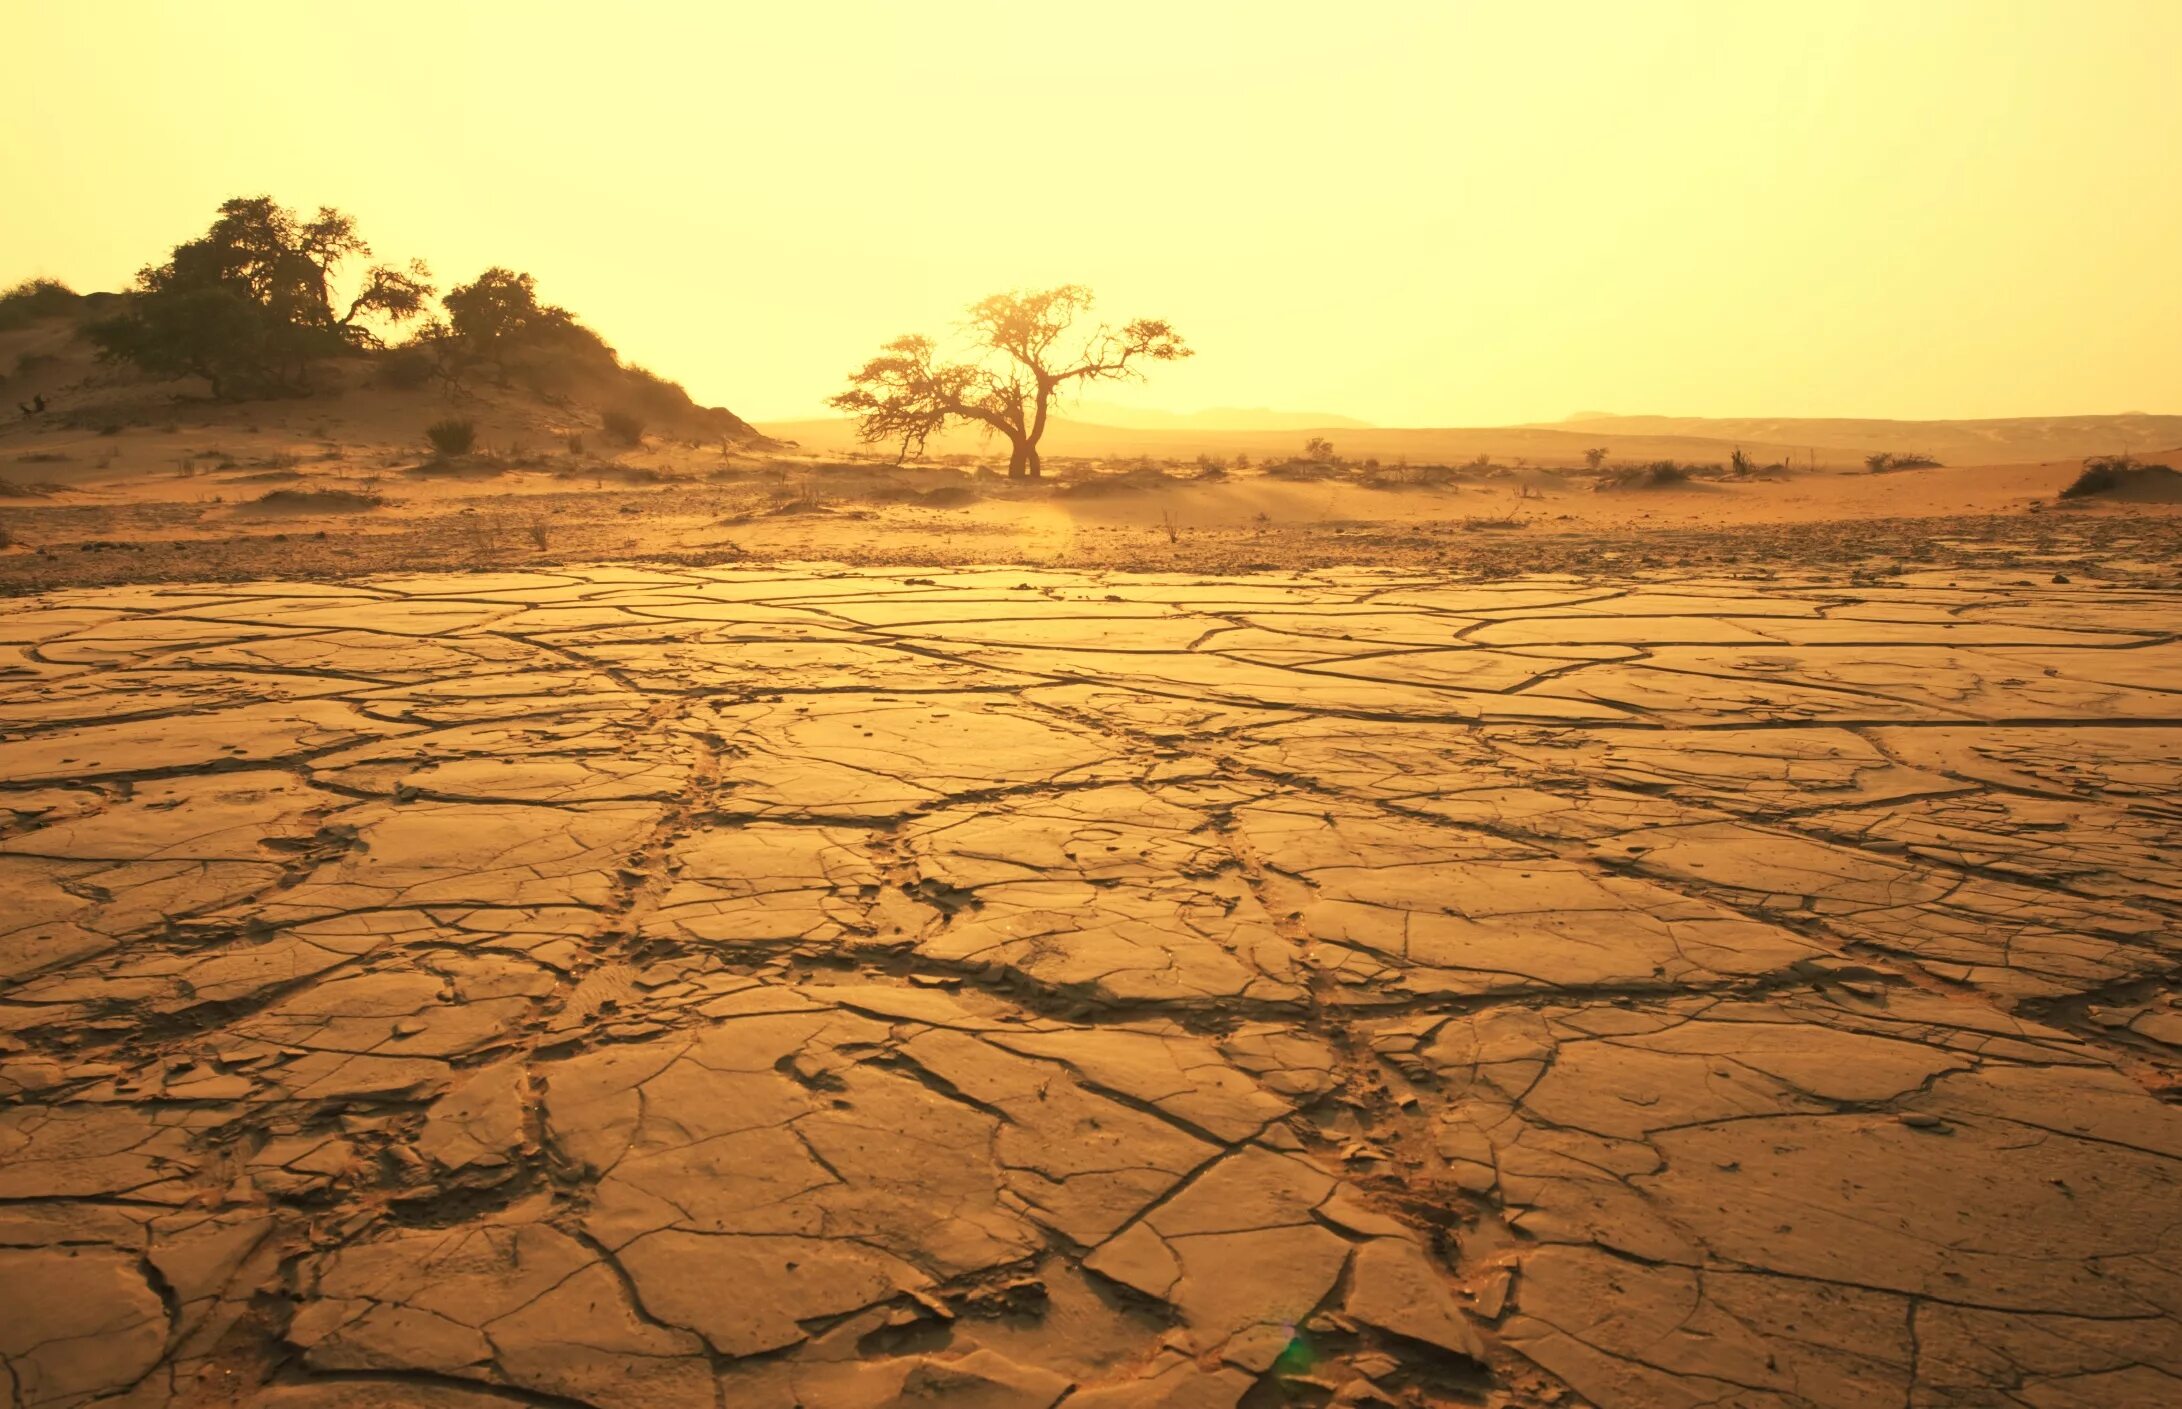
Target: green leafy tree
(1020, 359)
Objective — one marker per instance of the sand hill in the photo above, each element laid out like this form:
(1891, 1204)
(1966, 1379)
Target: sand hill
(46, 353)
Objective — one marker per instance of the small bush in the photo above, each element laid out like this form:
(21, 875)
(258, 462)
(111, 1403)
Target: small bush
(1657, 475)
(2104, 474)
(624, 426)
(457, 435)
(407, 368)
(1880, 462)
(35, 298)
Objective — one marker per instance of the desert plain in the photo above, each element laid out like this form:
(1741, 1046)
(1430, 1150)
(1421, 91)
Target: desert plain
(1487, 950)
(522, 887)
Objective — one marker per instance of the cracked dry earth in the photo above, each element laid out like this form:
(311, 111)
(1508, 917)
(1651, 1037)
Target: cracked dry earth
(631, 988)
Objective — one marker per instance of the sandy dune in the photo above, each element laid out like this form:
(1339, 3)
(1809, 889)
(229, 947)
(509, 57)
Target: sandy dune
(659, 986)
(322, 491)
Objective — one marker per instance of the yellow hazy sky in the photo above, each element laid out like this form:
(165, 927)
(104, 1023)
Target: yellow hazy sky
(1418, 213)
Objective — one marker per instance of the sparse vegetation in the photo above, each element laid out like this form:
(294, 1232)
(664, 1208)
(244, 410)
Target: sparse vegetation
(624, 427)
(1318, 450)
(1880, 462)
(456, 435)
(1594, 457)
(1659, 474)
(35, 298)
(2105, 474)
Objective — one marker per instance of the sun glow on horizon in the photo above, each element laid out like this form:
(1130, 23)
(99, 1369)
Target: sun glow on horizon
(1416, 215)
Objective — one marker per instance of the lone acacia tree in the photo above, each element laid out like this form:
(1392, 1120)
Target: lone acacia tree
(1007, 383)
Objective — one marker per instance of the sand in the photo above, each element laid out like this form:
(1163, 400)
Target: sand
(326, 489)
(646, 984)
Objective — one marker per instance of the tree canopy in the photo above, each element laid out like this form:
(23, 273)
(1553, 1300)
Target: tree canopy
(1018, 360)
(256, 299)
(497, 319)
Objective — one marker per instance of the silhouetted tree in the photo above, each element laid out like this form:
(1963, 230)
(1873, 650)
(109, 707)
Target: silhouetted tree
(1318, 450)
(496, 319)
(500, 309)
(251, 304)
(1015, 370)
(1595, 456)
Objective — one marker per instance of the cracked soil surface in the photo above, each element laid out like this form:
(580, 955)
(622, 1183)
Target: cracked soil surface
(637, 987)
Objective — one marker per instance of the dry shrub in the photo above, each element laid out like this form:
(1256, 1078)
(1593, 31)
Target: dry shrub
(1881, 462)
(2109, 474)
(456, 435)
(1660, 474)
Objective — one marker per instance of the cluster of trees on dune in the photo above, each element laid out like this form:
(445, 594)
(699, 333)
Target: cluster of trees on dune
(266, 297)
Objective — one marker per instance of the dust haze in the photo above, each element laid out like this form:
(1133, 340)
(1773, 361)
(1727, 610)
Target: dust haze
(696, 755)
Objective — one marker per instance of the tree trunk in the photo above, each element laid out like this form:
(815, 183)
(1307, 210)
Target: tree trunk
(1037, 429)
(1019, 455)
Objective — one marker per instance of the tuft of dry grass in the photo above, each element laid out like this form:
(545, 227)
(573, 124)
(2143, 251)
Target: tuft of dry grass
(455, 435)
